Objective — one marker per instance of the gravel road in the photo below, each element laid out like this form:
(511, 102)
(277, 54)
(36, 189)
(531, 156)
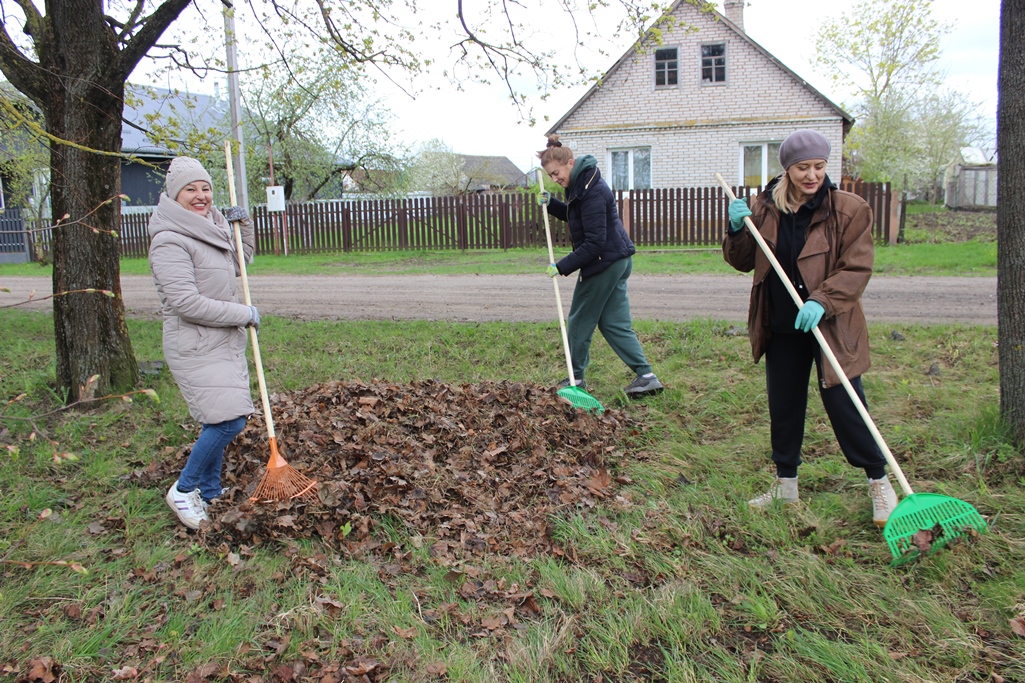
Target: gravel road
(529, 298)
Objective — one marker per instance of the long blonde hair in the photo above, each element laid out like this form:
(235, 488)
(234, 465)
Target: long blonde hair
(783, 195)
(554, 151)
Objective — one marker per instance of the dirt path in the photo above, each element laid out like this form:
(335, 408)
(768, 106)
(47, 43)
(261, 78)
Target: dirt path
(529, 298)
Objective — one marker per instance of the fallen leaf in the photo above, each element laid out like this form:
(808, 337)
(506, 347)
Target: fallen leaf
(407, 633)
(1018, 625)
(41, 670)
(125, 674)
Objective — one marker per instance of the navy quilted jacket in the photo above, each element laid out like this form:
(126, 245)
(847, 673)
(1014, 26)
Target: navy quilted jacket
(599, 239)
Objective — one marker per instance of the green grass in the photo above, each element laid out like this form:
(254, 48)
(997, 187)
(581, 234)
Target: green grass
(916, 209)
(678, 581)
(965, 258)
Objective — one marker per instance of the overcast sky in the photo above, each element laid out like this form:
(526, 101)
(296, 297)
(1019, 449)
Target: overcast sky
(482, 121)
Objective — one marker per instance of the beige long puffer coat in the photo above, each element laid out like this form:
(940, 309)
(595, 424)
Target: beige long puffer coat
(195, 268)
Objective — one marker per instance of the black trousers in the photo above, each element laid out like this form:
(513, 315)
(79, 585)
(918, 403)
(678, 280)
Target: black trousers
(788, 361)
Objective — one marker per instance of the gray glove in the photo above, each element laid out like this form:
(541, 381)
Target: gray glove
(254, 318)
(236, 214)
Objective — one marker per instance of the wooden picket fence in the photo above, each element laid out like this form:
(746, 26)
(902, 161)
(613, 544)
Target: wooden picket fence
(676, 217)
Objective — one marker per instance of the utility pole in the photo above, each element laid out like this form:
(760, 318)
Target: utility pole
(235, 107)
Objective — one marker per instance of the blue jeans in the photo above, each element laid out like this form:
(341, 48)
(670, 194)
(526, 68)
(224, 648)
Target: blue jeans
(203, 469)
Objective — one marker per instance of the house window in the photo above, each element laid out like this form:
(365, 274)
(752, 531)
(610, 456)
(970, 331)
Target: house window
(630, 169)
(713, 63)
(759, 163)
(666, 67)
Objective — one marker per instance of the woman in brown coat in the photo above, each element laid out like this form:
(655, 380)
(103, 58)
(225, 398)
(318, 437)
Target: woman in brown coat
(194, 263)
(822, 238)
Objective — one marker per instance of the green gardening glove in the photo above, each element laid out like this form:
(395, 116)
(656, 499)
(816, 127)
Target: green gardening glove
(809, 316)
(552, 270)
(738, 210)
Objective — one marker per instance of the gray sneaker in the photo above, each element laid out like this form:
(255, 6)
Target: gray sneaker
(565, 383)
(643, 386)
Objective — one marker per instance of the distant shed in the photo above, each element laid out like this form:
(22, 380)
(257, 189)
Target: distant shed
(970, 181)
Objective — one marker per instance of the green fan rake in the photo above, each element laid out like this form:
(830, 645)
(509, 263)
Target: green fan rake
(573, 393)
(922, 522)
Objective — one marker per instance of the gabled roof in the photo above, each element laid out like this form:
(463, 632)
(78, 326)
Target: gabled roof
(848, 120)
(144, 103)
(492, 170)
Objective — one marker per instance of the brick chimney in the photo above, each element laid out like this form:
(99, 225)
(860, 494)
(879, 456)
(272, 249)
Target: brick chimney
(734, 10)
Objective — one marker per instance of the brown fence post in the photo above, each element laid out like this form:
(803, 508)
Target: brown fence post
(895, 217)
(463, 238)
(346, 229)
(504, 237)
(403, 227)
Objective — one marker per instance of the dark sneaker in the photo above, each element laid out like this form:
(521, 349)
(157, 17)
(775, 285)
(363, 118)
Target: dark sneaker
(207, 503)
(565, 383)
(643, 386)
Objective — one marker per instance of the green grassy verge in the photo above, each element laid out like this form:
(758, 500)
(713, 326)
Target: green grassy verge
(678, 581)
(966, 258)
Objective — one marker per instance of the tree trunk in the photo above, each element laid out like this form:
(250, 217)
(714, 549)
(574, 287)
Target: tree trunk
(90, 330)
(1011, 216)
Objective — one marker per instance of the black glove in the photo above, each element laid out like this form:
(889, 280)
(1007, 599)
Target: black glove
(254, 318)
(236, 214)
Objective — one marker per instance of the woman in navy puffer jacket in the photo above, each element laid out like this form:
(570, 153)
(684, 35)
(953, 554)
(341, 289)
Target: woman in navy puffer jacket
(602, 253)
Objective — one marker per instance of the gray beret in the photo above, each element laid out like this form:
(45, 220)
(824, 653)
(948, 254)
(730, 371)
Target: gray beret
(802, 145)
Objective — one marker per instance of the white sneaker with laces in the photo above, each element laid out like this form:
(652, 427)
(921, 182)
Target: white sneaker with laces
(188, 507)
(784, 489)
(884, 500)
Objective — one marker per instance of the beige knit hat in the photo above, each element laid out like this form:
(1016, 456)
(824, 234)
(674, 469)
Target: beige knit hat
(182, 171)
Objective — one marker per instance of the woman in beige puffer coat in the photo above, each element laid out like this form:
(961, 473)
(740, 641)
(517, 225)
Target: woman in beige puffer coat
(194, 263)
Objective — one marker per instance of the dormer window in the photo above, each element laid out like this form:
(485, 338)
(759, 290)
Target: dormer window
(713, 63)
(666, 67)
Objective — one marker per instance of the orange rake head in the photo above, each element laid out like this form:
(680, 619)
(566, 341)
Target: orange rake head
(281, 481)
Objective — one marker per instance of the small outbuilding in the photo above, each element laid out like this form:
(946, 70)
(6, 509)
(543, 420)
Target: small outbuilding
(970, 181)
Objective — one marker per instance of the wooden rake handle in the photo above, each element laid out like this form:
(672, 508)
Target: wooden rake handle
(253, 337)
(826, 351)
(555, 282)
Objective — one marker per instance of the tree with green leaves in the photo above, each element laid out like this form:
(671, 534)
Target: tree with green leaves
(884, 55)
(1011, 217)
(72, 58)
(317, 119)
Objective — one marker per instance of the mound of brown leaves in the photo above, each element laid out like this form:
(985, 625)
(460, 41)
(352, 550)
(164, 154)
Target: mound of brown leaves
(472, 469)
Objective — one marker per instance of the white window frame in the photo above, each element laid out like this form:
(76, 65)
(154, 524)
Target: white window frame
(725, 66)
(630, 150)
(654, 68)
(765, 160)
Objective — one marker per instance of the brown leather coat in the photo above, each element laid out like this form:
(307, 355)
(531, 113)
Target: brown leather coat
(835, 264)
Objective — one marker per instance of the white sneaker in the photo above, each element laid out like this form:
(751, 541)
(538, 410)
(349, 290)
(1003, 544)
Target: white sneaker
(188, 506)
(784, 489)
(884, 500)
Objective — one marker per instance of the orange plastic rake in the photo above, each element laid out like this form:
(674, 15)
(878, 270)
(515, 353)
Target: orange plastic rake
(281, 481)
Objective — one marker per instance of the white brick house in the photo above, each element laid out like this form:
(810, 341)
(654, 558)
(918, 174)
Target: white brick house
(707, 99)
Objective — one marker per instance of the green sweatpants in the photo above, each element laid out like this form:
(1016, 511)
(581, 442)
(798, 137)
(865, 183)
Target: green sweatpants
(600, 301)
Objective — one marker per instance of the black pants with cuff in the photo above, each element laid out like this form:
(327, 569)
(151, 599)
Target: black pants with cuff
(788, 361)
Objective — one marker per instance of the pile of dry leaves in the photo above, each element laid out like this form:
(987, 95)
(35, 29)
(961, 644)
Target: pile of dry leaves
(471, 469)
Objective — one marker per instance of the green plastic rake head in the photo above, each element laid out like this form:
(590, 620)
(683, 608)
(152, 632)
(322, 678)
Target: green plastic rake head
(925, 522)
(581, 399)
